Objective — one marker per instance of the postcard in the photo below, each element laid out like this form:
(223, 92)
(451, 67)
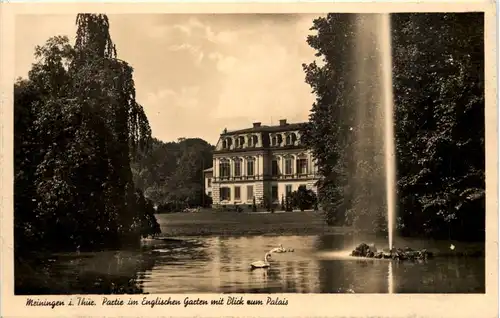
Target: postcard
(292, 159)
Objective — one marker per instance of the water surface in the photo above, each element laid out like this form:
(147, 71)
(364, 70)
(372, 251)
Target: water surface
(319, 264)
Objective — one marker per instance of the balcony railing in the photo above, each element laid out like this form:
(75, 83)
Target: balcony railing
(238, 178)
(293, 176)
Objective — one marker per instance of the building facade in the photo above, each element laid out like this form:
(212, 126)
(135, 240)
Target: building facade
(261, 163)
(208, 176)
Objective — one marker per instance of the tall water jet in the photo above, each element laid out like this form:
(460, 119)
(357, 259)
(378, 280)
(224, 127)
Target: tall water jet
(384, 34)
(373, 135)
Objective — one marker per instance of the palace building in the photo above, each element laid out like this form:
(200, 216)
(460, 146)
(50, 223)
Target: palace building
(262, 162)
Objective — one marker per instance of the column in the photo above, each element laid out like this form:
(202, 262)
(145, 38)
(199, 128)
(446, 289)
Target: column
(231, 167)
(259, 166)
(214, 167)
(282, 164)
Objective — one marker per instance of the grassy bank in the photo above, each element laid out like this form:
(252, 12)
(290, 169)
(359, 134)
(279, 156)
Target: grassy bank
(208, 222)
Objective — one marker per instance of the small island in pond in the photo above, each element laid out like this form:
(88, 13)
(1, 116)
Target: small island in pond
(365, 250)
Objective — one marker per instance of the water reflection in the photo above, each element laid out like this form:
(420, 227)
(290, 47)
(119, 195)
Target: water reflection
(222, 265)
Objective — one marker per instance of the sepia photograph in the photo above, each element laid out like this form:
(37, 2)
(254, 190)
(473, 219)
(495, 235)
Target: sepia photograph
(251, 153)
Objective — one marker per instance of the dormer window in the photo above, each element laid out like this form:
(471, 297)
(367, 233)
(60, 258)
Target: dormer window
(290, 139)
(252, 141)
(241, 142)
(274, 140)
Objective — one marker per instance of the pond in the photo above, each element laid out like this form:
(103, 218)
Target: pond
(318, 264)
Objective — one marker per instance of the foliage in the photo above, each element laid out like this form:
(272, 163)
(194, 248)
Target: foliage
(266, 202)
(171, 174)
(440, 133)
(76, 126)
(438, 78)
(303, 199)
(288, 203)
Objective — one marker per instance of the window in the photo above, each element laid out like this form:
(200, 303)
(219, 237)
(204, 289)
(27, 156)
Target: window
(226, 143)
(224, 169)
(237, 193)
(240, 142)
(302, 166)
(237, 167)
(288, 166)
(255, 140)
(209, 193)
(274, 167)
(274, 141)
(274, 193)
(288, 189)
(249, 193)
(290, 139)
(209, 182)
(250, 167)
(225, 194)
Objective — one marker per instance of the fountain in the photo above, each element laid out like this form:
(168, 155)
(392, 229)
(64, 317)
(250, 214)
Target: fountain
(373, 136)
(384, 36)
(374, 116)
(375, 131)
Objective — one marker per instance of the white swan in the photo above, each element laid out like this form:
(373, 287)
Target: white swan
(279, 249)
(262, 264)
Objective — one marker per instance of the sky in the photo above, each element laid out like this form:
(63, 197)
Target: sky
(198, 74)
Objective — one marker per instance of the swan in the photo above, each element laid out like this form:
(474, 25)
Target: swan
(279, 249)
(262, 264)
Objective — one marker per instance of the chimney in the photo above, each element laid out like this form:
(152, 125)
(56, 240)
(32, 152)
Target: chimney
(282, 122)
(255, 125)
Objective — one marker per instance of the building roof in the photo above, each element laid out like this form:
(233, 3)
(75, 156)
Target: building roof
(208, 170)
(267, 129)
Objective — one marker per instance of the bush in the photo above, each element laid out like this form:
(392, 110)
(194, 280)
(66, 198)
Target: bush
(303, 199)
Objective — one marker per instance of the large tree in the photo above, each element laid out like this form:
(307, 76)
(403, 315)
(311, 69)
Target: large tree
(438, 66)
(77, 126)
(343, 130)
(439, 96)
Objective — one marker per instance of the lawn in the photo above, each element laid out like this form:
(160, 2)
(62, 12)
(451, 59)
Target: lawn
(209, 222)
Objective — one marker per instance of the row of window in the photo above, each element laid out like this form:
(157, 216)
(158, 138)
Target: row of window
(225, 193)
(240, 142)
(278, 140)
(225, 167)
(301, 168)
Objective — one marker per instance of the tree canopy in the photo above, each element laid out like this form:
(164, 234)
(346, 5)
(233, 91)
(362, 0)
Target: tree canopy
(438, 86)
(171, 174)
(77, 126)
